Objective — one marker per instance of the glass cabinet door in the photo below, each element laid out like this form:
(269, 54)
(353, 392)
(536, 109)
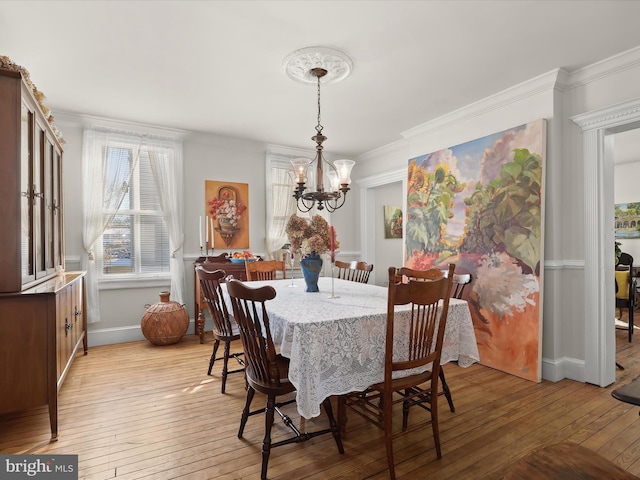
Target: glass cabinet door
(26, 194)
(39, 224)
(57, 246)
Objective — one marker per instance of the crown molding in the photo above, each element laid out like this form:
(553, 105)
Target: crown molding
(382, 179)
(542, 83)
(86, 121)
(607, 67)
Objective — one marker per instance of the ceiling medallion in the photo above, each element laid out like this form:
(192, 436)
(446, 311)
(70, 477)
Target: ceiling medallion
(299, 64)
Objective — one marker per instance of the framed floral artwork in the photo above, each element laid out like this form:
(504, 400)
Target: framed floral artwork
(392, 222)
(227, 214)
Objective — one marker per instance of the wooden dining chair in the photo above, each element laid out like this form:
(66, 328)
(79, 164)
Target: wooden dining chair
(421, 330)
(225, 329)
(266, 269)
(354, 271)
(267, 371)
(626, 289)
(403, 274)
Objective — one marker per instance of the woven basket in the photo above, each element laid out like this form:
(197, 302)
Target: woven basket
(166, 322)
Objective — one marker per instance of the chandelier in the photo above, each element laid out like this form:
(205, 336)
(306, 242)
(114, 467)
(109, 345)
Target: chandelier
(335, 66)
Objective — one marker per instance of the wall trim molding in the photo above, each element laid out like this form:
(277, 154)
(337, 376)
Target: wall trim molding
(597, 143)
(534, 86)
(605, 68)
(108, 336)
(564, 367)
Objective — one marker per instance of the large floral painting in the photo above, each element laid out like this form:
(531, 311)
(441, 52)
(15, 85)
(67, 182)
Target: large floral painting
(227, 214)
(480, 206)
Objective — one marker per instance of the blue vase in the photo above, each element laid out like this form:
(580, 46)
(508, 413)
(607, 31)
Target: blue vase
(311, 266)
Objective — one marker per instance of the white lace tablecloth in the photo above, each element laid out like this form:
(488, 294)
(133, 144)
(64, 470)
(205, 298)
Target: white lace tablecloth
(336, 345)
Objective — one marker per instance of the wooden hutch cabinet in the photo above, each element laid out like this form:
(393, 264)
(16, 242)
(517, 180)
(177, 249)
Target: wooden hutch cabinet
(42, 320)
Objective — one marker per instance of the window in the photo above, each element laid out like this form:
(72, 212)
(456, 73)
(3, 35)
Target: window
(135, 239)
(133, 209)
(280, 202)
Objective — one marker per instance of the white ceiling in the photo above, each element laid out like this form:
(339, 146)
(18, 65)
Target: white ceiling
(216, 66)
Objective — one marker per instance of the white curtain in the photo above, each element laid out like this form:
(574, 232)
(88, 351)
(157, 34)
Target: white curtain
(167, 169)
(280, 202)
(103, 190)
(99, 195)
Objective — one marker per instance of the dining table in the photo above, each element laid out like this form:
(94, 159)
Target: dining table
(335, 338)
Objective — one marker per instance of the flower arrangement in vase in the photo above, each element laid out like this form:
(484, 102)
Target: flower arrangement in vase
(311, 236)
(227, 212)
(312, 239)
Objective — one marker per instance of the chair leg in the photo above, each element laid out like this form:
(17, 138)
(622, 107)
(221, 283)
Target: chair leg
(225, 365)
(631, 321)
(247, 408)
(434, 424)
(216, 344)
(266, 443)
(335, 427)
(342, 414)
(445, 389)
(388, 435)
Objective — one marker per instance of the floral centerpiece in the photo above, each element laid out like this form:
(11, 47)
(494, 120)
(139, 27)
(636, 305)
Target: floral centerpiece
(312, 239)
(227, 212)
(311, 236)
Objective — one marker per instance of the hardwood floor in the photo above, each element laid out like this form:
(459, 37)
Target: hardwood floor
(138, 411)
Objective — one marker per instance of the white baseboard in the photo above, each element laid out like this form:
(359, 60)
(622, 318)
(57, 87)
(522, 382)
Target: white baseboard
(109, 336)
(564, 367)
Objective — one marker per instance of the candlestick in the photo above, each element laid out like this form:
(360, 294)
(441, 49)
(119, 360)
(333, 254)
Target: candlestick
(333, 295)
(333, 245)
(206, 231)
(200, 231)
(213, 241)
(292, 260)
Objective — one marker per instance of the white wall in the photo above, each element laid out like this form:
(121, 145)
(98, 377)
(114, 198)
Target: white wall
(206, 157)
(519, 105)
(556, 96)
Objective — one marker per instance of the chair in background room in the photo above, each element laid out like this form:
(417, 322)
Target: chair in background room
(225, 328)
(626, 289)
(426, 324)
(460, 281)
(354, 271)
(266, 269)
(267, 371)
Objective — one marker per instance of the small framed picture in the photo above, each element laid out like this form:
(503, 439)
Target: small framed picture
(392, 222)
(627, 220)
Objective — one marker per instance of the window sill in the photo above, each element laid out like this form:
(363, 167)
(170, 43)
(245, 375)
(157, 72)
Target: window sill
(125, 282)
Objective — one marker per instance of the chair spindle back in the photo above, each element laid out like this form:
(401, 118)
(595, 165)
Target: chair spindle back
(212, 293)
(354, 271)
(251, 315)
